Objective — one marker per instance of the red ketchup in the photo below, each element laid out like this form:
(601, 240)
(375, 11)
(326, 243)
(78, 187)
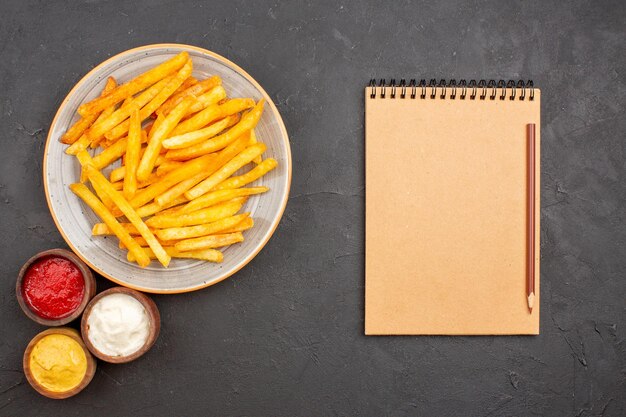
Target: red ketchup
(53, 287)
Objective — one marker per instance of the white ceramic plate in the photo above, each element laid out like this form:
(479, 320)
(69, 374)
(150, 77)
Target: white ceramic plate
(75, 220)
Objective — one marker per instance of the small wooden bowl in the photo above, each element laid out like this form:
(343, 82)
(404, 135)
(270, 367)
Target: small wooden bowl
(91, 364)
(153, 333)
(90, 287)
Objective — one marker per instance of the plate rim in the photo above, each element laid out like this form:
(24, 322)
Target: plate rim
(281, 125)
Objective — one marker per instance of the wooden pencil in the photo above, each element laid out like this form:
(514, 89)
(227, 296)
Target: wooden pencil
(530, 257)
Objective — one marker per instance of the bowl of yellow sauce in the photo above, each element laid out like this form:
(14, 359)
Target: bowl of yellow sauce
(57, 364)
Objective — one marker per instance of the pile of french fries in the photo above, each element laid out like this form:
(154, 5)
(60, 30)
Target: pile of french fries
(180, 141)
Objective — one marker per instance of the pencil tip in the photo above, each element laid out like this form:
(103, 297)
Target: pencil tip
(531, 301)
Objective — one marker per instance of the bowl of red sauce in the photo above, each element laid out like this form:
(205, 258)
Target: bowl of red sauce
(54, 287)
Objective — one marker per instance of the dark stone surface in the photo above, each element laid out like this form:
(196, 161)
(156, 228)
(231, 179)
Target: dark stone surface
(284, 337)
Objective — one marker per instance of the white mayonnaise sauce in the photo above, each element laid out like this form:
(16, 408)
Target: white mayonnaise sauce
(118, 325)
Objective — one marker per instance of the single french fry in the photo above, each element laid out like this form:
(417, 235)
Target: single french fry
(101, 229)
(209, 242)
(210, 255)
(167, 166)
(113, 153)
(243, 158)
(153, 208)
(78, 128)
(213, 113)
(220, 196)
(118, 174)
(111, 222)
(179, 233)
(96, 177)
(254, 174)
(155, 126)
(147, 110)
(104, 197)
(133, 148)
(83, 158)
(139, 83)
(254, 140)
(146, 165)
(211, 97)
(247, 122)
(208, 215)
(193, 90)
(189, 169)
(82, 142)
(245, 224)
(98, 130)
(197, 136)
(143, 243)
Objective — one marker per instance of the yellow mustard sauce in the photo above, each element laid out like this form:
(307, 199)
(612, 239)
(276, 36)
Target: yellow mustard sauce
(58, 363)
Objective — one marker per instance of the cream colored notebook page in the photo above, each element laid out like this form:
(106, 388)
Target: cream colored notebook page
(446, 210)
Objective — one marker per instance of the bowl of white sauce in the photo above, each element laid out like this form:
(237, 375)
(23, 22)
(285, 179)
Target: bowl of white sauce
(120, 324)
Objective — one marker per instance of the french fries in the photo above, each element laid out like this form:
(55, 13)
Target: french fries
(147, 110)
(179, 233)
(144, 244)
(210, 255)
(146, 165)
(211, 97)
(113, 152)
(111, 222)
(247, 122)
(179, 189)
(99, 129)
(215, 197)
(153, 208)
(101, 229)
(213, 113)
(83, 124)
(191, 138)
(254, 174)
(242, 159)
(95, 177)
(194, 90)
(166, 167)
(219, 159)
(172, 178)
(133, 147)
(245, 224)
(139, 83)
(209, 242)
(175, 194)
(203, 216)
(253, 140)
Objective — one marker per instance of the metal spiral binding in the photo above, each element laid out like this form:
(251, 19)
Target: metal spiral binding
(449, 89)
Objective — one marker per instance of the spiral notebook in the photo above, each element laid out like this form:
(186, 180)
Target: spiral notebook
(447, 208)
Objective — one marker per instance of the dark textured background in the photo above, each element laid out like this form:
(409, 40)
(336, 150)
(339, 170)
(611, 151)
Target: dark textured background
(284, 337)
